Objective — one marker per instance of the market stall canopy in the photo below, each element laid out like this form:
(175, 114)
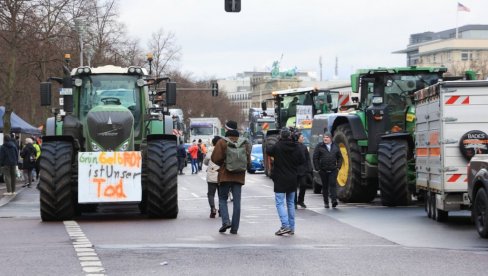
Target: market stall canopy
(18, 124)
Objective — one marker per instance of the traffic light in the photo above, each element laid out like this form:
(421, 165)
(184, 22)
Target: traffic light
(215, 89)
(232, 5)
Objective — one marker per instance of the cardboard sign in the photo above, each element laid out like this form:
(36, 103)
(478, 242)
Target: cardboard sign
(109, 177)
(304, 116)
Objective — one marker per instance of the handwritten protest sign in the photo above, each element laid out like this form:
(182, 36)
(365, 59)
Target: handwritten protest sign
(109, 176)
(304, 116)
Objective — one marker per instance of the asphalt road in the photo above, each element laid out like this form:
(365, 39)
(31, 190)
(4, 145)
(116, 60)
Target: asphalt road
(354, 239)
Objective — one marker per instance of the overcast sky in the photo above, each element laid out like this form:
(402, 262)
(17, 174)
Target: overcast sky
(362, 34)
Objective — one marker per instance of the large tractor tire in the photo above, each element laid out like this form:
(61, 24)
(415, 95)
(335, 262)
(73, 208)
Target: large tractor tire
(271, 140)
(160, 196)
(392, 173)
(480, 213)
(57, 199)
(349, 177)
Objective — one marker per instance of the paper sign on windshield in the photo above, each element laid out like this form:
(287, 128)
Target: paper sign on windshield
(304, 116)
(109, 176)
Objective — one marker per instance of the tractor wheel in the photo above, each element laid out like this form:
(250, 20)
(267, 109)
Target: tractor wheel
(271, 140)
(392, 173)
(349, 177)
(160, 196)
(57, 200)
(480, 213)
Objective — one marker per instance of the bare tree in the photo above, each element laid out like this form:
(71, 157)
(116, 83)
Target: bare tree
(165, 51)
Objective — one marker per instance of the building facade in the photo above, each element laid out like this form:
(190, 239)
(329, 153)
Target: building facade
(467, 51)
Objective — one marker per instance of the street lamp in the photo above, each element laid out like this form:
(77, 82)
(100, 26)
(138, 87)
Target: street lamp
(149, 57)
(80, 28)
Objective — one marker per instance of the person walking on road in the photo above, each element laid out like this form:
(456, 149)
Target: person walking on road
(28, 155)
(304, 171)
(181, 155)
(202, 151)
(9, 157)
(38, 155)
(327, 159)
(287, 158)
(230, 180)
(193, 150)
(212, 178)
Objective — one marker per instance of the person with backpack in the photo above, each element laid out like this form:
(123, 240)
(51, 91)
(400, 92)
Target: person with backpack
(9, 157)
(202, 151)
(233, 155)
(288, 156)
(212, 178)
(28, 155)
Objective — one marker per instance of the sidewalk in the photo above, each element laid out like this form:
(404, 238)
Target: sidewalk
(18, 189)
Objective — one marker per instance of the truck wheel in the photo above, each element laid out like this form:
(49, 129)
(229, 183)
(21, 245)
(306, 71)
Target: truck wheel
(428, 206)
(160, 195)
(392, 173)
(57, 200)
(349, 177)
(433, 207)
(442, 216)
(480, 213)
(268, 163)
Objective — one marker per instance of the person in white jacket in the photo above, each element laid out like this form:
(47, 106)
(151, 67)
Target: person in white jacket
(212, 177)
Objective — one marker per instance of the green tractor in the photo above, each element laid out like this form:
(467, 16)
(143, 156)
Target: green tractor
(376, 140)
(111, 143)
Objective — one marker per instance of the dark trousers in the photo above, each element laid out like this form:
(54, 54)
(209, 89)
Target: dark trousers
(302, 187)
(224, 189)
(38, 167)
(329, 180)
(181, 163)
(212, 188)
(9, 176)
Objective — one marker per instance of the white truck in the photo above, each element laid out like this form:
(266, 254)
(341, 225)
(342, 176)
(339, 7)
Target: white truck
(204, 129)
(451, 127)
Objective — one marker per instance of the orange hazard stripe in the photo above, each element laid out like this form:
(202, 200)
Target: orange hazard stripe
(454, 177)
(435, 152)
(452, 99)
(345, 100)
(422, 152)
(466, 101)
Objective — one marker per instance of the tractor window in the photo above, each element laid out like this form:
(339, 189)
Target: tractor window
(321, 106)
(121, 90)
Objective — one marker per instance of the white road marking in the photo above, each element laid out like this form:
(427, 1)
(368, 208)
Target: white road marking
(184, 189)
(88, 258)
(195, 195)
(267, 186)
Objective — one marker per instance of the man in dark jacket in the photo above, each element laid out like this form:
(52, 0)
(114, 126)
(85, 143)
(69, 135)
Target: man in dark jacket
(287, 157)
(304, 171)
(181, 155)
(327, 159)
(9, 157)
(229, 181)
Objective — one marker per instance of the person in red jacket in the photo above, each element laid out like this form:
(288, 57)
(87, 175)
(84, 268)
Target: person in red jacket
(193, 150)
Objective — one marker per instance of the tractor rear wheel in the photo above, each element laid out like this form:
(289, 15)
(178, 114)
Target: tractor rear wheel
(57, 200)
(349, 177)
(392, 173)
(271, 140)
(160, 196)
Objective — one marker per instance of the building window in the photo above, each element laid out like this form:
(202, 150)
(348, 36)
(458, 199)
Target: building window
(466, 55)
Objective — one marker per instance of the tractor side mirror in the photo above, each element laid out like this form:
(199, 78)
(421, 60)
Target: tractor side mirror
(264, 106)
(329, 98)
(170, 93)
(45, 93)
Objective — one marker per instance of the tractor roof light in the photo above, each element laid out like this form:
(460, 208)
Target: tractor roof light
(83, 70)
(135, 70)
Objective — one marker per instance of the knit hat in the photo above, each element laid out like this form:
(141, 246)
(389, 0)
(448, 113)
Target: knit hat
(285, 133)
(327, 133)
(231, 125)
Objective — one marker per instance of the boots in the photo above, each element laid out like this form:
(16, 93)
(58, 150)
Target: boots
(213, 212)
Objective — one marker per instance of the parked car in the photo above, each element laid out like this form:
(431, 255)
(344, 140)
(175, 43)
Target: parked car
(256, 159)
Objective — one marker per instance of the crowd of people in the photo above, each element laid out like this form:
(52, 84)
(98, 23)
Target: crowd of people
(16, 157)
(292, 166)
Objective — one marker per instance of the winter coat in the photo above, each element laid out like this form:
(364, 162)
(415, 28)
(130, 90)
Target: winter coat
(181, 152)
(193, 150)
(287, 158)
(26, 153)
(306, 167)
(218, 157)
(212, 169)
(9, 154)
(325, 160)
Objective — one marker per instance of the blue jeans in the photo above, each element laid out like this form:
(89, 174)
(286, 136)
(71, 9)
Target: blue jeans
(287, 218)
(224, 189)
(194, 166)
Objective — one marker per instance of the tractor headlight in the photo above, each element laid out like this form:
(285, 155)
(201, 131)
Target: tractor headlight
(125, 146)
(95, 147)
(377, 100)
(78, 82)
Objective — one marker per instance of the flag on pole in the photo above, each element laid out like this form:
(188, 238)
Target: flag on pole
(462, 7)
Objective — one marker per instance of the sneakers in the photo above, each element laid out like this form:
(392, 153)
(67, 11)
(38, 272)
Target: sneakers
(302, 204)
(326, 205)
(224, 228)
(282, 231)
(334, 204)
(7, 194)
